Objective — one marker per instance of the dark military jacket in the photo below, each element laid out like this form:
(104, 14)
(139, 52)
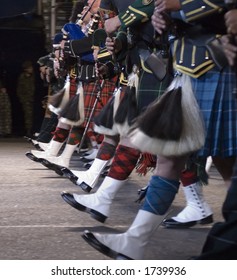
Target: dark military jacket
(136, 28)
(139, 11)
(197, 49)
(115, 5)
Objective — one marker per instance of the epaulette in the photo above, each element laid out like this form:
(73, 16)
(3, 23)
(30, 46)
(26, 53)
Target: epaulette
(104, 55)
(190, 58)
(138, 12)
(193, 10)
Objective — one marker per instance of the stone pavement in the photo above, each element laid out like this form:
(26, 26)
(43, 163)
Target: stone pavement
(36, 224)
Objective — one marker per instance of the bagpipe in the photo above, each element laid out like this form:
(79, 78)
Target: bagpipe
(79, 38)
(87, 9)
(73, 31)
(90, 27)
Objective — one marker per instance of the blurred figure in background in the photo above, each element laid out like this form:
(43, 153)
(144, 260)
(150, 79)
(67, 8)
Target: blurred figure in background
(5, 106)
(25, 93)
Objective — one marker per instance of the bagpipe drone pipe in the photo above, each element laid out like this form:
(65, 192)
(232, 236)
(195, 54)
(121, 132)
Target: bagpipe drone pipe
(78, 46)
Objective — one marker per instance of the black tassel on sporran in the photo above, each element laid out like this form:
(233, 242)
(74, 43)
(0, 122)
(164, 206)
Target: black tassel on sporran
(173, 124)
(106, 116)
(71, 111)
(56, 99)
(163, 118)
(128, 107)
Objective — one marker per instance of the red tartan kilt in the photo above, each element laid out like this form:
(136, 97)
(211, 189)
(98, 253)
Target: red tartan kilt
(73, 88)
(90, 93)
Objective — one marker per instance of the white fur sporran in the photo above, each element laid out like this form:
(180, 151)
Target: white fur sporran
(71, 119)
(193, 133)
(64, 96)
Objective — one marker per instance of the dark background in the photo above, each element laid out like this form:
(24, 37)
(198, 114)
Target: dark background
(15, 7)
(22, 36)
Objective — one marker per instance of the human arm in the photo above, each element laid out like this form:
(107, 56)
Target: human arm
(231, 21)
(230, 41)
(189, 11)
(139, 11)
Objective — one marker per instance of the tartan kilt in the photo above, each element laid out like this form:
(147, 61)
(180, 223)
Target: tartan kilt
(104, 122)
(80, 106)
(215, 92)
(73, 87)
(90, 94)
(149, 89)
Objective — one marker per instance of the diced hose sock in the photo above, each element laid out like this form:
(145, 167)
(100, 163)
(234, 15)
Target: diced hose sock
(160, 195)
(60, 134)
(124, 162)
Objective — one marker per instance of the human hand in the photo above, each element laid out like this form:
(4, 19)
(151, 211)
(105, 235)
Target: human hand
(167, 5)
(158, 21)
(229, 48)
(231, 21)
(160, 18)
(112, 24)
(113, 45)
(101, 70)
(56, 67)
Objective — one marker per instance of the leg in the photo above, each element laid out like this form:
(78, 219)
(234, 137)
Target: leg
(98, 204)
(57, 162)
(47, 129)
(161, 191)
(197, 210)
(225, 168)
(46, 133)
(88, 179)
(60, 136)
(94, 144)
(221, 242)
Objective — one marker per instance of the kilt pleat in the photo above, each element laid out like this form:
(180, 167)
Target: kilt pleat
(90, 97)
(150, 88)
(216, 95)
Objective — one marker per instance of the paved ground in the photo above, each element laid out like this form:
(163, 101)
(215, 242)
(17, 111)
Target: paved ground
(36, 224)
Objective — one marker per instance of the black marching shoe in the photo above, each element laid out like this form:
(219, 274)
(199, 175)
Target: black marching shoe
(89, 237)
(58, 169)
(32, 157)
(68, 173)
(197, 210)
(52, 166)
(88, 164)
(28, 139)
(34, 143)
(85, 187)
(73, 178)
(171, 223)
(38, 148)
(69, 198)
